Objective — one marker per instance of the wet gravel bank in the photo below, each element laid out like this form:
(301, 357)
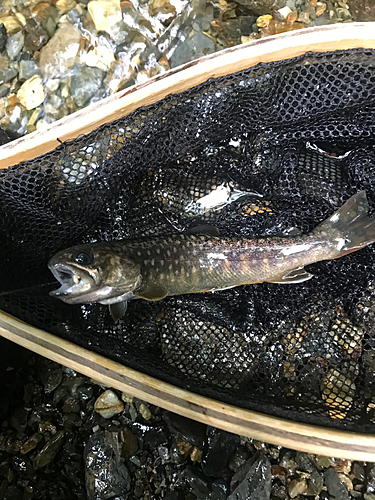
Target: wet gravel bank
(65, 437)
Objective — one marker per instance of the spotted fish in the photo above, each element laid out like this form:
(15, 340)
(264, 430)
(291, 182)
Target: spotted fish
(148, 268)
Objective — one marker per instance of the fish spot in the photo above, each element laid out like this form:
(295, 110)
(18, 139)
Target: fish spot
(158, 251)
(139, 253)
(162, 262)
(168, 253)
(265, 260)
(152, 262)
(174, 250)
(182, 258)
(170, 267)
(161, 276)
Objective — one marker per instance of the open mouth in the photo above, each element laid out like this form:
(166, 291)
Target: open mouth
(70, 282)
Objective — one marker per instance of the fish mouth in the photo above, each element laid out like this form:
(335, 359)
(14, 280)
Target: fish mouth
(72, 284)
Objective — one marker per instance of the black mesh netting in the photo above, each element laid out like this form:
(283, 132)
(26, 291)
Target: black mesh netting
(298, 132)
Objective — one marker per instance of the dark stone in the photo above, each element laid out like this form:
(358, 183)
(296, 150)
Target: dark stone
(50, 373)
(49, 450)
(362, 10)
(304, 462)
(130, 444)
(335, 486)
(260, 7)
(190, 431)
(220, 490)
(253, 480)
(153, 435)
(174, 495)
(3, 37)
(218, 449)
(359, 471)
(370, 478)
(279, 492)
(288, 462)
(19, 419)
(106, 475)
(314, 483)
(36, 36)
(197, 482)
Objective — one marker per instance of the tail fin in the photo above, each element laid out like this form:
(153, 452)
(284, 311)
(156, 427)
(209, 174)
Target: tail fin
(350, 226)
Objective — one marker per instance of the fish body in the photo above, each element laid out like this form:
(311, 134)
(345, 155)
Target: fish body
(154, 268)
(200, 196)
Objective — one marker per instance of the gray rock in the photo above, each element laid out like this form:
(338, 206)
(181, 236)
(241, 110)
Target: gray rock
(14, 44)
(27, 69)
(335, 486)
(186, 50)
(297, 487)
(304, 462)
(3, 37)
(59, 55)
(314, 483)
(106, 475)
(197, 482)
(85, 82)
(253, 480)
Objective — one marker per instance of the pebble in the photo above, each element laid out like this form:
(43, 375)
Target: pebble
(60, 53)
(297, 487)
(320, 8)
(84, 83)
(3, 37)
(27, 69)
(186, 429)
(108, 404)
(145, 411)
(31, 93)
(49, 450)
(65, 5)
(105, 13)
(264, 21)
(14, 44)
(198, 46)
(335, 486)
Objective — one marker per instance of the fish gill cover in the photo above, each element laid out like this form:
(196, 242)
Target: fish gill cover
(296, 138)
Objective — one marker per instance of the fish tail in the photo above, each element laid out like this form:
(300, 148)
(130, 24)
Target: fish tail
(350, 226)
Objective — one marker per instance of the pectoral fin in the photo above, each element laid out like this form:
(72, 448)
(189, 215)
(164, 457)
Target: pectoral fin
(118, 310)
(153, 292)
(294, 276)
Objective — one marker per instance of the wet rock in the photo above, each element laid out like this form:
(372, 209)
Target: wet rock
(239, 458)
(36, 36)
(253, 480)
(104, 13)
(14, 44)
(358, 471)
(220, 490)
(198, 46)
(197, 483)
(218, 450)
(370, 479)
(145, 411)
(297, 487)
(18, 419)
(304, 462)
(50, 374)
(49, 450)
(335, 486)
(288, 462)
(260, 7)
(60, 53)
(31, 93)
(362, 10)
(85, 83)
(190, 431)
(130, 444)
(108, 404)
(314, 483)
(106, 475)
(3, 37)
(153, 435)
(65, 5)
(27, 69)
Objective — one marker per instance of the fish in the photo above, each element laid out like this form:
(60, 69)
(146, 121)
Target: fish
(192, 195)
(152, 268)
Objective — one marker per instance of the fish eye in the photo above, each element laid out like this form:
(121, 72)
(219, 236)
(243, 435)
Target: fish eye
(83, 258)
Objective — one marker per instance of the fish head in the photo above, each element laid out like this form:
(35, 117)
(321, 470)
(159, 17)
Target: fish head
(94, 273)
